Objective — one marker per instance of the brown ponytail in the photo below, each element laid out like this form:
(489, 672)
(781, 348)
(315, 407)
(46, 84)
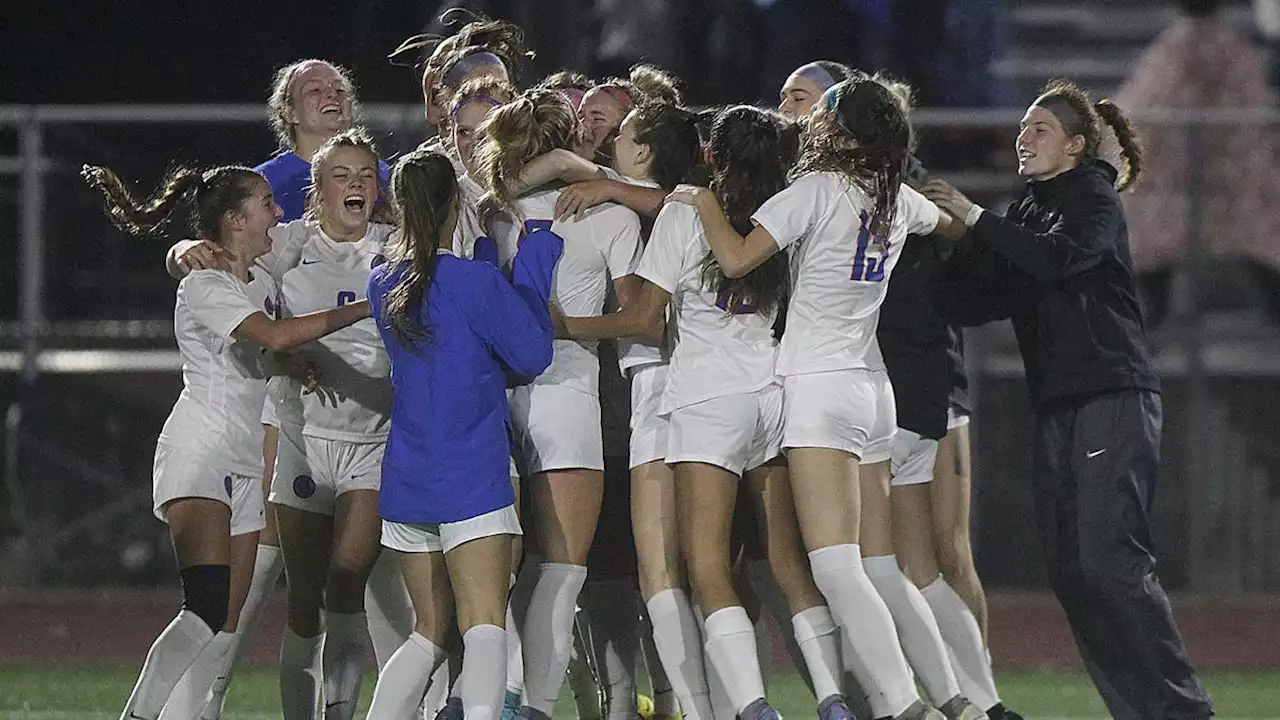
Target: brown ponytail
(212, 195)
(1130, 147)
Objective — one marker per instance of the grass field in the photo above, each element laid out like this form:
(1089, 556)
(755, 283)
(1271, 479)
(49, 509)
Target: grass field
(29, 692)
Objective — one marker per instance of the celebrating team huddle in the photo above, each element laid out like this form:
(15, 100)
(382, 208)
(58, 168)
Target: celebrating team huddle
(404, 364)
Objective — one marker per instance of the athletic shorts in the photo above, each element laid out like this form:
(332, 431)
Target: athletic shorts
(443, 537)
(913, 458)
(848, 410)
(556, 429)
(312, 472)
(956, 418)
(183, 472)
(736, 432)
(648, 425)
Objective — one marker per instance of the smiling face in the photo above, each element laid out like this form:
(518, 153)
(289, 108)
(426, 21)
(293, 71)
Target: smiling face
(798, 96)
(630, 158)
(348, 189)
(466, 132)
(321, 102)
(600, 115)
(1043, 146)
(257, 214)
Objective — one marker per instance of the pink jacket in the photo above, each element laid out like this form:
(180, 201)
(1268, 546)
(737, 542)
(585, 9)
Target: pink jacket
(1199, 64)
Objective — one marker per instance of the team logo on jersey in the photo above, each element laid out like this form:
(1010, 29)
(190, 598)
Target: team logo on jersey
(227, 482)
(304, 486)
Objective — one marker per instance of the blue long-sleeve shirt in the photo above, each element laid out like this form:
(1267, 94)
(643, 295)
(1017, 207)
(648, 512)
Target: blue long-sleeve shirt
(447, 455)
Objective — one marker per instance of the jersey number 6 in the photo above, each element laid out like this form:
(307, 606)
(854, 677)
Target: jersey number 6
(869, 269)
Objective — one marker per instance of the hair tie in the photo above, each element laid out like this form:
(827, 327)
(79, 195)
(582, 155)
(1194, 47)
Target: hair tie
(817, 74)
(470, 98)
(619, 95)
(470, 63)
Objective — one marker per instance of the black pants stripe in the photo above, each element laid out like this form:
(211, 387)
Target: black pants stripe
(1097, 460)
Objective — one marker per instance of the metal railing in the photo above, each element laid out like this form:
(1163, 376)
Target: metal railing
(1193, 357)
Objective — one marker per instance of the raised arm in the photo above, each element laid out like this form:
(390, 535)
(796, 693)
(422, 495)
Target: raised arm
(737, 255)
(582, 196)
(559, 164)
(514, 319)
(278, 335)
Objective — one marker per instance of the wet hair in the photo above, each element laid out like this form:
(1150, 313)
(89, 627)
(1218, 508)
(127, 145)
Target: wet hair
(671, 132)
(1081, 116)
(281, 99)
(486, 89)
(356, 137)
(863, 134)
(210, 196)
(536, 122)
(437, 55)
(566, 80)
(423, 191)
(750, 155)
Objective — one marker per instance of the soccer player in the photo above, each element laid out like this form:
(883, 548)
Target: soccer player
(208, 466)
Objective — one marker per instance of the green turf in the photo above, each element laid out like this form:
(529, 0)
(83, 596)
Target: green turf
(97, 693)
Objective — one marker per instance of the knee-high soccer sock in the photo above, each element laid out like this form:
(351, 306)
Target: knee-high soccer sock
(387, 605)
(439, 687)
(731, 647)
(346, 636)
(665, 703)
(268, 565)
(917, 629)
(862, 615)
(862, 702)
(819, 638)
(548, 633)
(403, 680)
(484, 672)
(171, 654)
(614, 607)
(964, 638)
(517, 611)
(679, 643)
(581, 675)
(192, 697)
(301, 673)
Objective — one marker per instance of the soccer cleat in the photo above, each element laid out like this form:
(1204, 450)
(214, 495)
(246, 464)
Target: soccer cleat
(834, 708)
(959, 708)
(1000, 712)
(920, 711)
(452, 709)
(760, 710)
(528, 713)
(510, 705)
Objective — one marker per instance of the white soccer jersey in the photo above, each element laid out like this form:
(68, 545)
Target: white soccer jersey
(717, 352)
(223, 380)
(603, 246)
(496, 225)
(632, 353)
(839, 270)
(351, 361)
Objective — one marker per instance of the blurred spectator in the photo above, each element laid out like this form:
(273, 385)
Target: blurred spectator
(1199, 63)
(1266, 14)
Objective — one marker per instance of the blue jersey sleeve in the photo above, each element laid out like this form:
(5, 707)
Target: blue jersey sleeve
(513, 322)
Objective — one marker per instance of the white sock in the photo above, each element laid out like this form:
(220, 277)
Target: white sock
(614, 606)
(819, 638)
(484, 672)
(731, 647)
(268, 565)
(171, 654)
(581, 673)
(679, 644)
(964, 639)
(548, 633)
(838, 573)
(917, 629)
(438, 688)
(301, 670)
(856, 679)
(517, 613)
(195, 691)
(346, 637)
(403, 680)
(387, 605)
(665, 703)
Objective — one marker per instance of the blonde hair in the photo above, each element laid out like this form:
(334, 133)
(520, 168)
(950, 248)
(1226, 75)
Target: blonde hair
(281, 99)
(356, 137)
(536, 122)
